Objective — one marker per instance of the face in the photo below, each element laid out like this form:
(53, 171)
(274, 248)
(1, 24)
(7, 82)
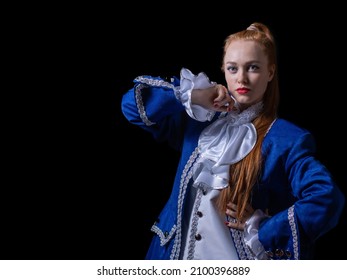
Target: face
(247, 72)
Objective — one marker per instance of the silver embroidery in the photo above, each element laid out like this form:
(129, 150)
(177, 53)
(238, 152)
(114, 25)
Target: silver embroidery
(270, 126)
(163, 239)
(241, 248)
(140, 106)
(146, 82)
(186, 176)
(154, 82)
(192, 240)
(294, 232)
(160, 83)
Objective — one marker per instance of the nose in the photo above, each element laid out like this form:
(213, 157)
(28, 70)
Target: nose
(242, 77)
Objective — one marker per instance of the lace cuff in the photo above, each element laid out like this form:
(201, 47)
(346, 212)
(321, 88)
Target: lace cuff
(188, 82)
(251, 234)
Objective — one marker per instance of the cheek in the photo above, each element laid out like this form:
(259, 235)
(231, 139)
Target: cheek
(260, 83)
(229, 80)
(264, 85)
(261, 88)
(229, 85)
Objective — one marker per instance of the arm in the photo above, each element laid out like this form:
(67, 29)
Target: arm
(310, 202)
(316, 208)
(157, 106)
(152, 105)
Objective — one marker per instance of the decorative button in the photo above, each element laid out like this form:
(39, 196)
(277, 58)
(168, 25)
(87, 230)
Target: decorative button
(288, 254)
(279, 252)
(204, 192)
(166, 234)
(197, 236)
(270, 254)
(199, 213)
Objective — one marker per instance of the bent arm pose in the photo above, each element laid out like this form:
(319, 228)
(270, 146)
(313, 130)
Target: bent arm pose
(248, 185)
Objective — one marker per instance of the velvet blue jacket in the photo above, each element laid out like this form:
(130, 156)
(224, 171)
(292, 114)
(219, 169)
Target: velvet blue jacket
(296, 189)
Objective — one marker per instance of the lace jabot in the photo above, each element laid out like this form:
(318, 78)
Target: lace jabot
(226, 141)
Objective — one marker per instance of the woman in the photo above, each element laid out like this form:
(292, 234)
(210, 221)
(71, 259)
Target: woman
(247, 185)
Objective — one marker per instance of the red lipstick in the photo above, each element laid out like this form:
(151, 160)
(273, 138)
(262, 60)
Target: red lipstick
(242, 90)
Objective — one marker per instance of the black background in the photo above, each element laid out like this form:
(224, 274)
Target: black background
(80, 182)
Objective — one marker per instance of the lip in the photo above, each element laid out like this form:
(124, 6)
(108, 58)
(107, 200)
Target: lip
(242, 90)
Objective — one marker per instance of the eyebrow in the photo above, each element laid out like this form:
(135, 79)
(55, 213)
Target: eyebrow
(248, 62)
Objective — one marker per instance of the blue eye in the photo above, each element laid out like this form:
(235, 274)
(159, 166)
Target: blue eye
(253, 67)
(232, 69)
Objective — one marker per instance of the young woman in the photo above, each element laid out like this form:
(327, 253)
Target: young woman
(248, 185)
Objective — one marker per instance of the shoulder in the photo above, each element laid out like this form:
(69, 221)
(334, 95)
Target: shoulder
(287, 129)
(288, 134)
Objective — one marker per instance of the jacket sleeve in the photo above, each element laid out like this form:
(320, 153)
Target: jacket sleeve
(153, 105)
(317, 206)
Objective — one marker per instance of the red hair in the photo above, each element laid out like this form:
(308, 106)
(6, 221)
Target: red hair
(245, 173)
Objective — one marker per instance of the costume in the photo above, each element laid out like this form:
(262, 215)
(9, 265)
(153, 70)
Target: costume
(295, 191)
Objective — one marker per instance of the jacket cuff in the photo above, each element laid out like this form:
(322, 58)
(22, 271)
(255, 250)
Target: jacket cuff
(188, 82)
(251, 234)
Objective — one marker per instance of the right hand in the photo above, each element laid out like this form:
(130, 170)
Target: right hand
(215, 98)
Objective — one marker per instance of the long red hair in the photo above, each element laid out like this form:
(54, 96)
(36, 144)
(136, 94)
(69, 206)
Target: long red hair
(245, 173)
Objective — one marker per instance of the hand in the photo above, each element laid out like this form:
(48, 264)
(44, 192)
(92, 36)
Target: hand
(214, 98)
(231, 211)
(223, 102)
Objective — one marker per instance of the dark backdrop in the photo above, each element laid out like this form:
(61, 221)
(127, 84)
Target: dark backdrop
(81, 182)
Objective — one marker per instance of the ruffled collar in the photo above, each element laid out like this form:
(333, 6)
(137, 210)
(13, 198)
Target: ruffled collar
(226, 141)
(238, 117)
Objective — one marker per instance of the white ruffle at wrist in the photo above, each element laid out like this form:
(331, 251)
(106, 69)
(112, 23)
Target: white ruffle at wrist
(251, 234)
(188, 82)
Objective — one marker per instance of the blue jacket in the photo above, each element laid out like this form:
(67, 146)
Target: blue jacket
(296, 189)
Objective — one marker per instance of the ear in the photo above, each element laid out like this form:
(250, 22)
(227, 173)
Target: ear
(272, 69)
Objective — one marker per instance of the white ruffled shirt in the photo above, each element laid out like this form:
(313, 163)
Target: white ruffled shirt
(226, 141)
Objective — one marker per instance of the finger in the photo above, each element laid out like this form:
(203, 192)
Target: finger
(221, 108)
(226, 101)
(231, 213)
(223, 103)
(222, 94)
(232, 206)
(235, 225)
(230, 107)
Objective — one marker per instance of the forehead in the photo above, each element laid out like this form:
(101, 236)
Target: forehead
(242, 51)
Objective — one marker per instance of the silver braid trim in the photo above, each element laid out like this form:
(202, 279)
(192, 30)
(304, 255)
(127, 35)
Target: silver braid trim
(154, 82)
(270, 126)
(140, 106)
(163, 238)
(148, 82)
(186, 176)
(192, 240)
(294, 232)
(242, 249)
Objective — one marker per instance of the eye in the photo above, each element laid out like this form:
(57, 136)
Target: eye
(253, 67)
(232, 69)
